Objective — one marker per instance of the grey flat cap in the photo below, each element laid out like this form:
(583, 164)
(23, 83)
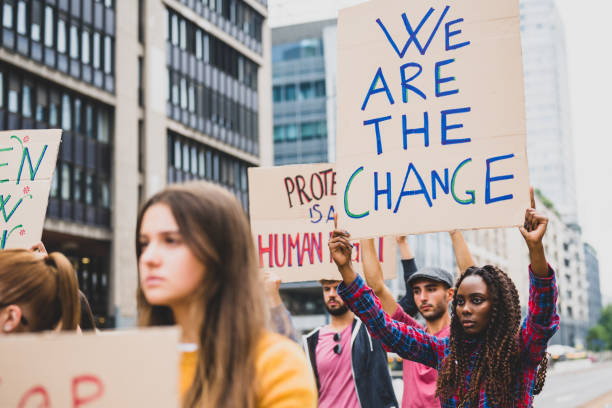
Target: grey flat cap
(435, 274)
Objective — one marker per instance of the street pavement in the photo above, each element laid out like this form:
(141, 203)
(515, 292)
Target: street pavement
(570, 384)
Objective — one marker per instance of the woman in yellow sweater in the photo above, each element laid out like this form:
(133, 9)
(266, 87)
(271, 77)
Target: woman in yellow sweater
(198, 269)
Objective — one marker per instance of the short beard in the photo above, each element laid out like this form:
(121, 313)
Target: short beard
(434, 317)
(339, 311)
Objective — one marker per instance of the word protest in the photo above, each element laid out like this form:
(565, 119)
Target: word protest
(27, 162)
(136, 368)
(292, 216)
(431, 117)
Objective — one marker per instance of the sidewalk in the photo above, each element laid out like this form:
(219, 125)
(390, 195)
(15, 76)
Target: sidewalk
(604, 401)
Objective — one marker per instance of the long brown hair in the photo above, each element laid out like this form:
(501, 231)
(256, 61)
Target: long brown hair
(215, 228)
(47, 285)
(497, 367)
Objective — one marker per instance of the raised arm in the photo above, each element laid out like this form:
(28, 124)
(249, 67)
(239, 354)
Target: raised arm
(542, 319)
(374, 276)
(462, 252)
(280, 318)
(409, 267)
(407, 341)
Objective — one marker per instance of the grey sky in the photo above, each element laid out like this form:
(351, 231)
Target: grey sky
(586, 24)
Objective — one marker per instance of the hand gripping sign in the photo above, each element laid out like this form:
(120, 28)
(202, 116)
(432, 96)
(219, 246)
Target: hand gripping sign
(431, 117)
(292, 209)
(27, 162)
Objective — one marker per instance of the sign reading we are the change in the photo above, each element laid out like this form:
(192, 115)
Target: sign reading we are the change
(431, 116)
(136, 368)
(292, 216)
(27, 162)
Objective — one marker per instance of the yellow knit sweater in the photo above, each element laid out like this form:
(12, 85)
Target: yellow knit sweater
(285, 379)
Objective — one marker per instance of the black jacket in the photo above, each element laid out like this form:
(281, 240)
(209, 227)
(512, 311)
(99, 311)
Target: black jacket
(369, 366)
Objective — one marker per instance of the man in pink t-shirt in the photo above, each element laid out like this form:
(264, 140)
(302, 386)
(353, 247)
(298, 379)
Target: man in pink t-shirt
(428, 290)
(349, 365)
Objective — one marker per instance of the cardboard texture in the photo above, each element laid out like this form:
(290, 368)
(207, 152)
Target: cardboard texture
(291, 209)
(27, 163)
(136, 368)
(431, 117)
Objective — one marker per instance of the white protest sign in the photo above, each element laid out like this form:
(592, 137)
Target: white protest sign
(27, 162)
(291, 209)
(431, 117)
(136, 368)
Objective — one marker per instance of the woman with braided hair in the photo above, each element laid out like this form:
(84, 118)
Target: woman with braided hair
(489, 359)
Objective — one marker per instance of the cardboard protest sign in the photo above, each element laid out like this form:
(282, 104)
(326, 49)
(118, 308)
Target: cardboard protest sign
(27, 162)
(291, 209)
(431, 116)
(137, 368)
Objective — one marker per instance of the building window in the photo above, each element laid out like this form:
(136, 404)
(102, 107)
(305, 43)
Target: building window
(35, 27)
(21, 18)
(49, 26)
(74, 42)
(108, 55)
(61, 36)
(7, 14)
(85, 58)
(26, 98)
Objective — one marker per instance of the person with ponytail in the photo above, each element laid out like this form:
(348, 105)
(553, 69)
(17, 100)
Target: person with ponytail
(489, 359)
(198, 269)
(37, 292)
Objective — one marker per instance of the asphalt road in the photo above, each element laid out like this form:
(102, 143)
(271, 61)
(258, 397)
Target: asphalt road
(568, 385)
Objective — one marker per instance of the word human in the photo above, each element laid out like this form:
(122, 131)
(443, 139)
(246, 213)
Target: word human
(299, 249)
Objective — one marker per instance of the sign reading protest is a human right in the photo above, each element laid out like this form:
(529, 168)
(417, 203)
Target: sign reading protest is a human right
(431, 116)
(292, 217)
(27, 162)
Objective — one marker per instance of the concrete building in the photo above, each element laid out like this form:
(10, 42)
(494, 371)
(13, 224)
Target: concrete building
(304, 73)
(148, 92)
(547, 105)
(594, 290)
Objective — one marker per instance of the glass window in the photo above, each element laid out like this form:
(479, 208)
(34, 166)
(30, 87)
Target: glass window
(291, 132)
(74, 42)
(49, 26)
(77, 115)
(175, 89)
(96, 50)
(206, 48)
(306, 90)
(175, 29)
(201, 164)
(36, 21)
(54, 184)
(104, 194)
(319, 89)
(61, 36)
(66, 181)
(41, 104)
(108, 55)
(183, 38)
(77, 187)
(194, 160)
(103, 126)
(290, 92)
(185, 157)
(13, 95)
(177, 154)
(7, 15)
(21, 18)
(85, 47)
(183, 93)
(279, 133)
(89, 121)
(26, 101)
(66, 112)
(276, 91)
(89, 189)
(53, 110)
(191, 97)
(198, 44)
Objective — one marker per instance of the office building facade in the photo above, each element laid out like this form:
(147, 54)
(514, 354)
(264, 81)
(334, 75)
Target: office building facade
(147, 92)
